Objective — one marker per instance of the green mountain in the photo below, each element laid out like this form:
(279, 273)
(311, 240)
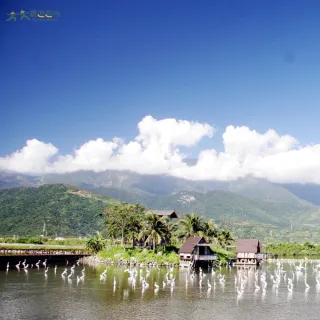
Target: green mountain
(50, 209)
(225, 206)
(163, 185)
(65, 210)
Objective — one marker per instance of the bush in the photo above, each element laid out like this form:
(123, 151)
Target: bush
(34, 240)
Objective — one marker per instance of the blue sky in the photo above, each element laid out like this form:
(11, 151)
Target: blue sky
(103, 66)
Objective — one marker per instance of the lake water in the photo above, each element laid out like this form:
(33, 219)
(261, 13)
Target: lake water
(33, 296)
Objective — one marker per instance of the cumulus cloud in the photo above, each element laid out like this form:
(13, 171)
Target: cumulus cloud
(33, 158)
(155, 150)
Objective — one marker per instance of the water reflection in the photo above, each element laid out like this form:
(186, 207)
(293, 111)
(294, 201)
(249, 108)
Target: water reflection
(285, 289)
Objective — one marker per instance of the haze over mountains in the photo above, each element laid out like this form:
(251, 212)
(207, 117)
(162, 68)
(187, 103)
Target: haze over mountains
(127, 181)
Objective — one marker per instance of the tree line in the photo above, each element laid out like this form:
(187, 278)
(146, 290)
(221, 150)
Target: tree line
(133, 224)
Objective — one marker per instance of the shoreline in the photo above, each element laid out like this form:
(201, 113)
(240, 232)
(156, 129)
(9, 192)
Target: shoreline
(95, 260)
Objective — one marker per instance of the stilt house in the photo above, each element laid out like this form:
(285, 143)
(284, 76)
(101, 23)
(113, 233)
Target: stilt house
(196, 251)
(249, 252)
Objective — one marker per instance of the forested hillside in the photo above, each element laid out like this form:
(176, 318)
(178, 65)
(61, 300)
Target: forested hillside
(64, 210)
(59, 209)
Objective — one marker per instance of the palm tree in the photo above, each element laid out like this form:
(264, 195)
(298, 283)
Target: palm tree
(210, 231)
(192, 225)
(225, 238)
(154, 230)
(134, 230)
(170, 231)
(95, 243)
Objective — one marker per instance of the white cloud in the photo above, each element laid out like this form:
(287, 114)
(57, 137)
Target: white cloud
(33, 158)
(155, 151)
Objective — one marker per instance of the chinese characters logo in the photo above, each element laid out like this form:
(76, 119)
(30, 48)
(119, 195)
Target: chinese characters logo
(34, 15)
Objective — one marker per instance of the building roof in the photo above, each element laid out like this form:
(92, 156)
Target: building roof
(190, 244)
(248, 245)
(161, 213)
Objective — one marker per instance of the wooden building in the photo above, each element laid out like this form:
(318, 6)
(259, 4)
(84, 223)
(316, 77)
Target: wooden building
(196, 251)
(165, 213)
(249, 252)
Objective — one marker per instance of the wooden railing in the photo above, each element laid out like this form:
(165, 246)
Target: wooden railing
(42, 252)
(260, 256)
(201, 257)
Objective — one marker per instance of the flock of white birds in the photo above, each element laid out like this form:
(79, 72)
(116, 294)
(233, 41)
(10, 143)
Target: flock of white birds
(272, 273)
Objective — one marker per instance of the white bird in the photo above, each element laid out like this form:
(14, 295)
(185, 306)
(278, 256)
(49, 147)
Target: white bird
(209, 284)
(18, 265)
(305, 282)
(64, 272)
(8, 265)
(256, 286)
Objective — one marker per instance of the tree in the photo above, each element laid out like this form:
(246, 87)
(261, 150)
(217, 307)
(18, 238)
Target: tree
(170, 231)
(95, 243)
(192, 225)
(122, 220)
(210, 231)
(154, 230)
(135, 225)
(225, 238)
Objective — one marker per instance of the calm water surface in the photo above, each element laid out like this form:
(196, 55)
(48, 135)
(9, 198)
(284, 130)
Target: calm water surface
(33, 296)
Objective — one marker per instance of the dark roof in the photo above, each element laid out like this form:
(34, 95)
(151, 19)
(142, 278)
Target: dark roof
(161, 213)
(249, 245)
(190, 244)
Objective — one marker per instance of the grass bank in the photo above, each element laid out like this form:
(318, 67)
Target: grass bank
(45, 241)
(290, 249)
(118, 253)
(223, 254)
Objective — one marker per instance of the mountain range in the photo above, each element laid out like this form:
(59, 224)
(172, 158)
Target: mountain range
(244, 200)
(136, 184)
